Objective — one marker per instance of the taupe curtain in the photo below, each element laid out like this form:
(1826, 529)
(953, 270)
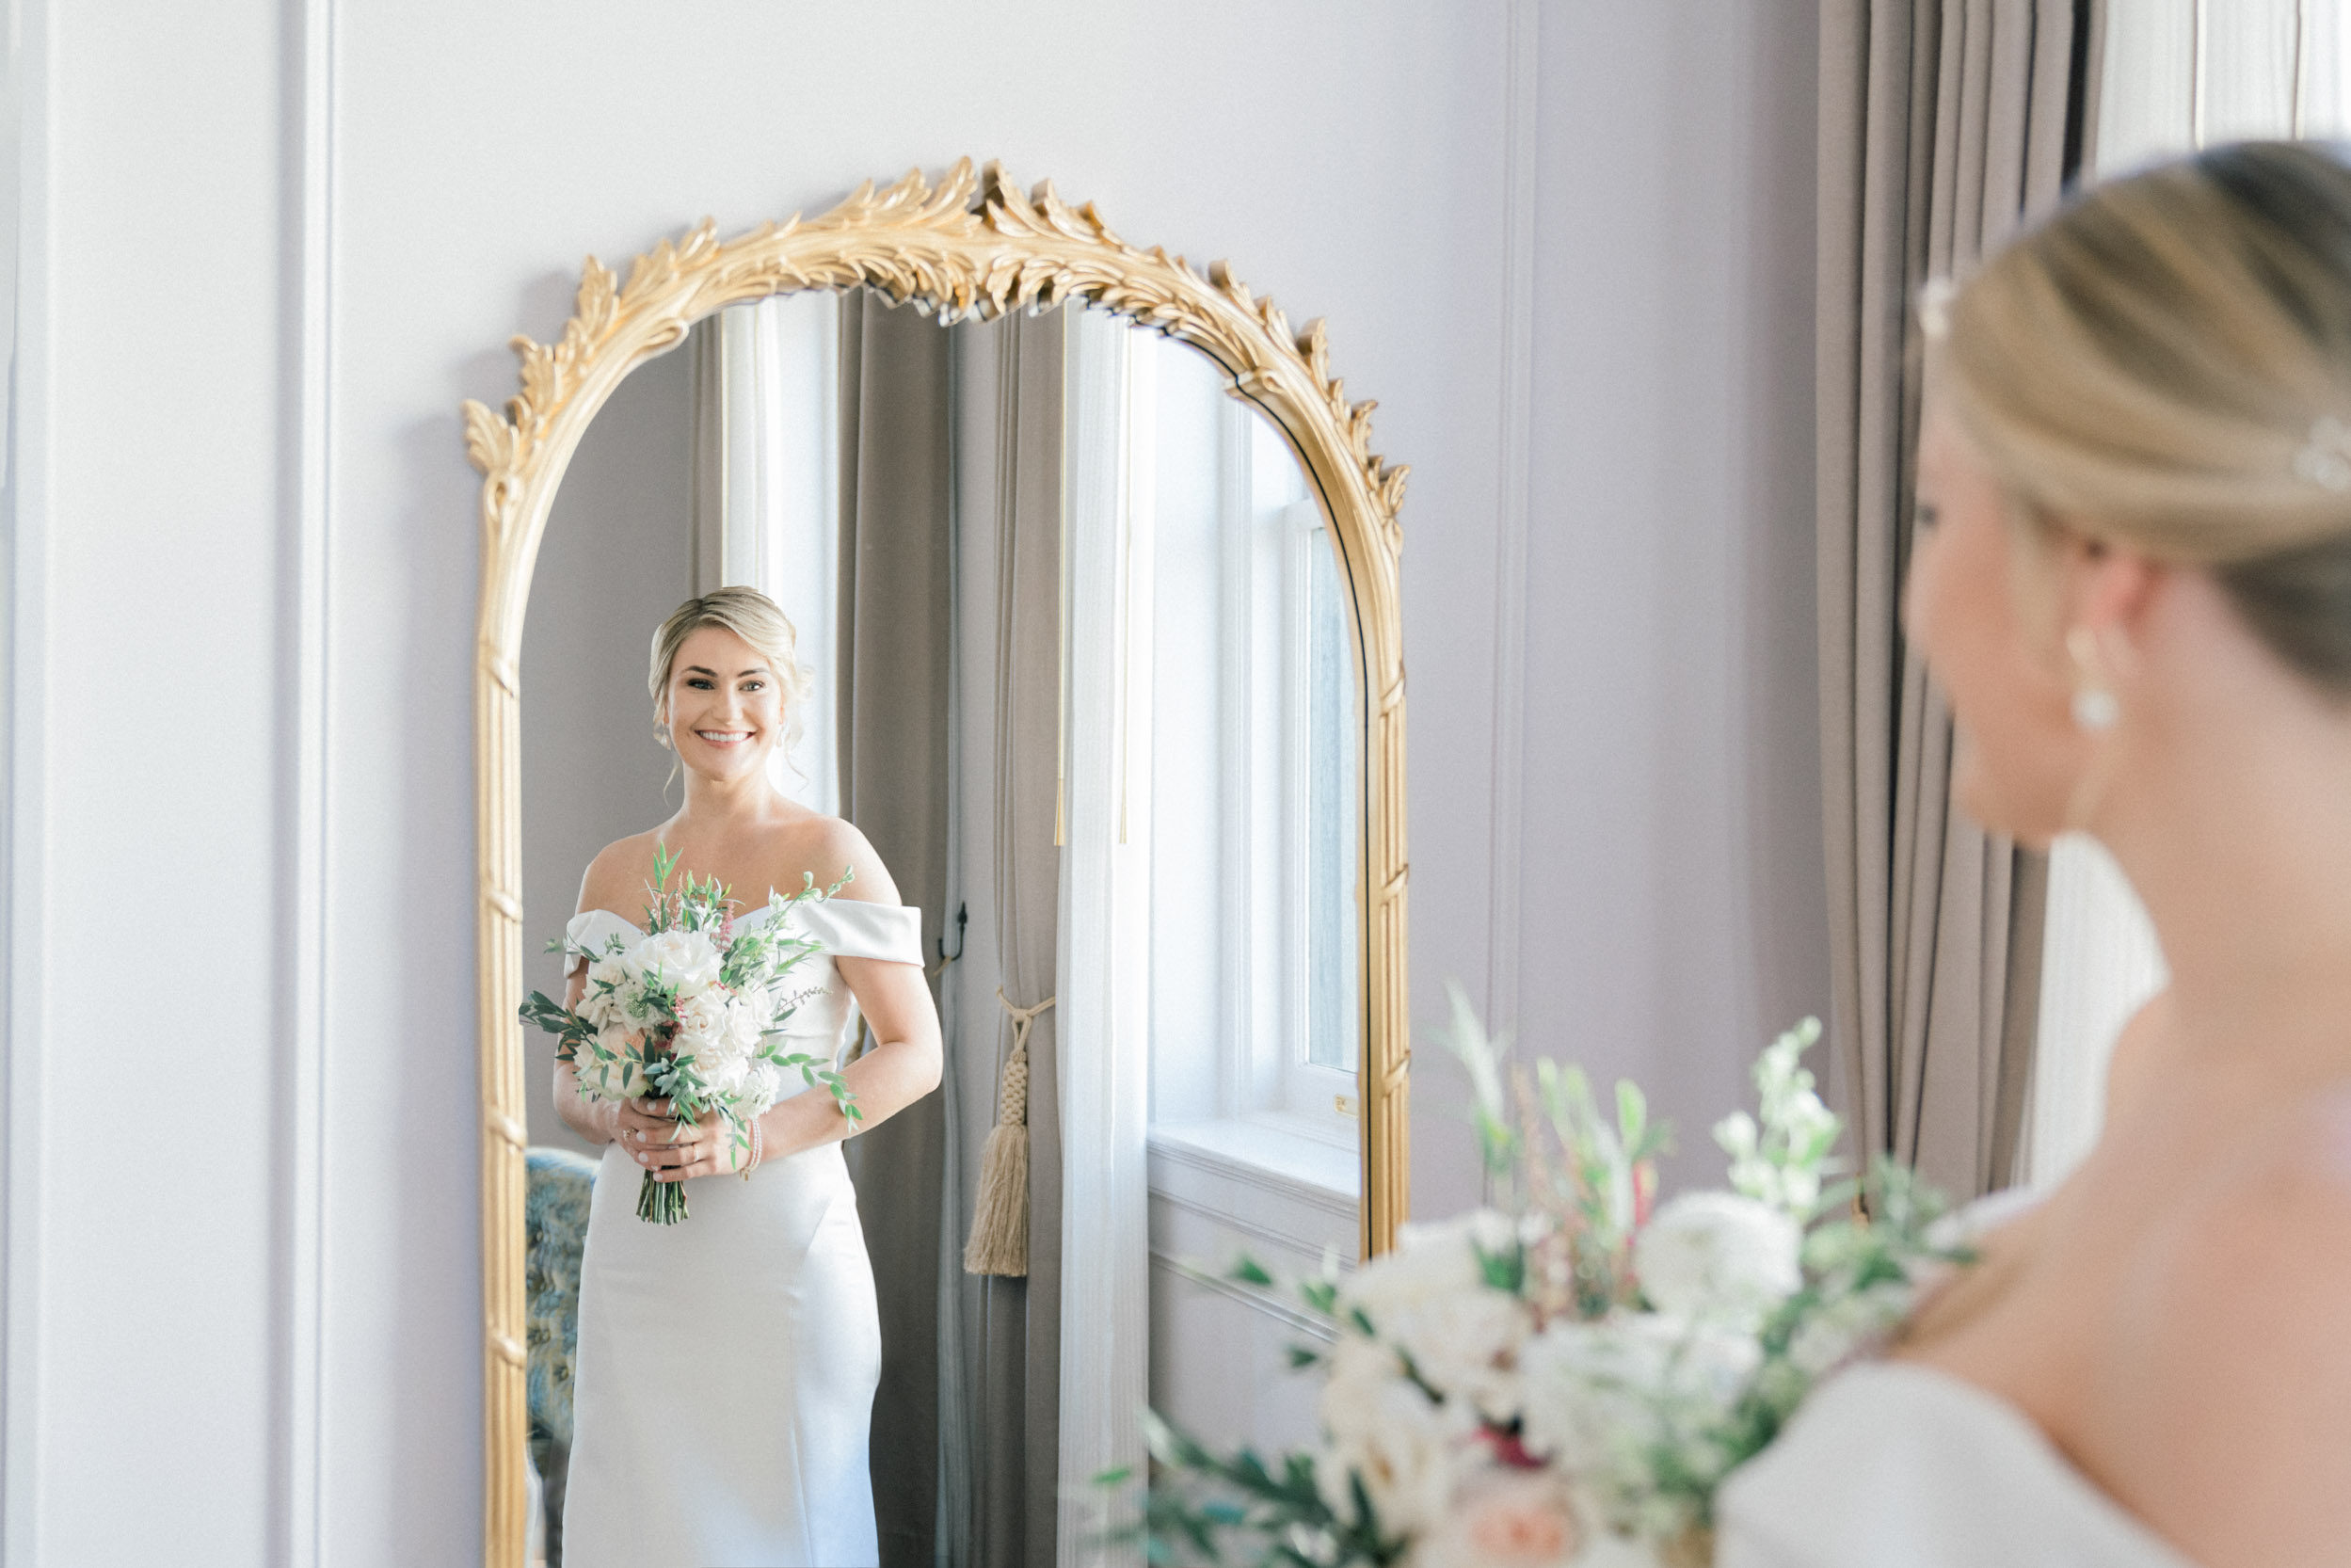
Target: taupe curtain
(1944, 123)
(1005, 1332)
(706, 372)
(896, 628)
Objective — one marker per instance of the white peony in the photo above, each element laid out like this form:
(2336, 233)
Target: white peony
(684, 960)
(608, 994)
(1429, 1299)
(762, 1086)
(1407, 1448)
(1599, 1395)
(1720, 1257)
(701, 1021)
(747, 1023)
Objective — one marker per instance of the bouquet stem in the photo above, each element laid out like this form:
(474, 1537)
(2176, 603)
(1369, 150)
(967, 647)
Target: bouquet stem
(662, 1202)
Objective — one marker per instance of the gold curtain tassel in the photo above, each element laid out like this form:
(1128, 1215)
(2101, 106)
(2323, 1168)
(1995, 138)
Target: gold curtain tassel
(998, 1243)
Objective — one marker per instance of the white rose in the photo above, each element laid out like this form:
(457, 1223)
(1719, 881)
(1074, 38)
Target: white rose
(1465, 1346)
(725, 1075)
(747, 1021)
(1429, 1262)
(1598, 1394)
(1429, 1299)
(701, 1018)
(1719, 1256)
(1407, 1449)
(684, 960)
(706, 1036)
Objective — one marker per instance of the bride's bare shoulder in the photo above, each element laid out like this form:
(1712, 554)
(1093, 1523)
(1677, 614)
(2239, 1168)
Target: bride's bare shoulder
(825, 848)
(615, 878)
(2223, 1399)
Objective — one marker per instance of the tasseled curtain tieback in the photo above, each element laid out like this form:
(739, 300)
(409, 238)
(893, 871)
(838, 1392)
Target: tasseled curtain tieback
(999, 1217)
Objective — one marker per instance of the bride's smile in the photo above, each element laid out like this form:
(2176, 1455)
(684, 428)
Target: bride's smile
(724, 707)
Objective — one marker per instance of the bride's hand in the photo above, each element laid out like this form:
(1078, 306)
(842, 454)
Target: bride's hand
(674, 1150)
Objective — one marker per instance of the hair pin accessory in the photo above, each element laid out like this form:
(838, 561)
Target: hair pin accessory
(2324, 459)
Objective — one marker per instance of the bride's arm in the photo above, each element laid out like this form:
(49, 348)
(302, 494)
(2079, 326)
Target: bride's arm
(597, 1121)
(897, 1071)
(895, 1000)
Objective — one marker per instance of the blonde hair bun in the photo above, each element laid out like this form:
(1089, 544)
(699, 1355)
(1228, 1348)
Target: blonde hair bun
(2155, 365)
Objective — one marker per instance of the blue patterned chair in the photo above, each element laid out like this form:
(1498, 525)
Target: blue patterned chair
(554, 1228)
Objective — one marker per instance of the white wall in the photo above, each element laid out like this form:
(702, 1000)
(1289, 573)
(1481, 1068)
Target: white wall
(1674, 895)
(268, 248)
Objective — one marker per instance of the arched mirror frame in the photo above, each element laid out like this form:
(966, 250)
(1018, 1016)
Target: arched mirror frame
(971, 245)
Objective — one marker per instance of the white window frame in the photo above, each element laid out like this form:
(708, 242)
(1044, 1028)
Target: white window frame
(1324, 1097)
(1269, 1106)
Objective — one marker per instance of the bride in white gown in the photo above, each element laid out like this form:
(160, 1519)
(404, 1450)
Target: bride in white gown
(727, 1365)
(2134, 580)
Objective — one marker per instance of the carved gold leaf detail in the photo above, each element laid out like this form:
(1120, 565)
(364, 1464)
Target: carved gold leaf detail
(972, 245)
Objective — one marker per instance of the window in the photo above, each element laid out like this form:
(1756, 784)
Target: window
(767, 503)
(1241, 712)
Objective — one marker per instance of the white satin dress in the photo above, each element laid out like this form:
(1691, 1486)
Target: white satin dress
(723, 1384)
(1894, 1465)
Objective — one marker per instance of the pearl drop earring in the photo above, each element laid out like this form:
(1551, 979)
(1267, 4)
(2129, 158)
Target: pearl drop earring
(2095, 708)
(661, 735)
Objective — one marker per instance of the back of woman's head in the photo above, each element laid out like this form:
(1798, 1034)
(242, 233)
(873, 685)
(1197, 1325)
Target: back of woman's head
(2165, 364)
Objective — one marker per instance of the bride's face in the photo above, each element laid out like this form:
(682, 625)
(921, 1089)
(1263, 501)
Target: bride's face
(724, 704)
(2016, 754)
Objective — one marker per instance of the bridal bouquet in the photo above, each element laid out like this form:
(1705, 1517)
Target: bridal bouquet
(1566, 1381)
(693, 1011)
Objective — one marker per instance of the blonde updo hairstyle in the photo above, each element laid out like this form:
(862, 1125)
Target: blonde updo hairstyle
(759, 621)
(2165, 365)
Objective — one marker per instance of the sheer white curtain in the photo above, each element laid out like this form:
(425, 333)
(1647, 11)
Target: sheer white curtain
(1103, 968)
(2174, 75)
(767, 502)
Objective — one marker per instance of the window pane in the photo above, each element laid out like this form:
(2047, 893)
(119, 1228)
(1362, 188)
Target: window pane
(1330, 816)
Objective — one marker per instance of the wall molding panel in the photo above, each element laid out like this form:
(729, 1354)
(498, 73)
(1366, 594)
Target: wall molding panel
(1521, 99)
(30, 454)
(308, 905)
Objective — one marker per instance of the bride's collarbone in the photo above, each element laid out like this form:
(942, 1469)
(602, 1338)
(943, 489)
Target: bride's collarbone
(2046, 1274)
(750, 866)
(2032, 1311)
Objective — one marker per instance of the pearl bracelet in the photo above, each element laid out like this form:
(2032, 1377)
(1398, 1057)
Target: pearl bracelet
(756, 1150)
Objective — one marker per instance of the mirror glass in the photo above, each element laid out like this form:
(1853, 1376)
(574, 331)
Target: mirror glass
(1077, 658)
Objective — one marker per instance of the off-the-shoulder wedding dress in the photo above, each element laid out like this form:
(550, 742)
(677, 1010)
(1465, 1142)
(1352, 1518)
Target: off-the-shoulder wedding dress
(727, 1365)
(1893, 1465)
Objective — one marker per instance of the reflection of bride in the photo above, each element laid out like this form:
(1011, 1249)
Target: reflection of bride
(727, 1365)
(2134, 580)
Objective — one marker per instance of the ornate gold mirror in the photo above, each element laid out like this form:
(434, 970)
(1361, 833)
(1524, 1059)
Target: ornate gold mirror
(1094, 578)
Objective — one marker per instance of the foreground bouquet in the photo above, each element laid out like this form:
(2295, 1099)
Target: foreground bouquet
(1569, 1381)
(692, 1012)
